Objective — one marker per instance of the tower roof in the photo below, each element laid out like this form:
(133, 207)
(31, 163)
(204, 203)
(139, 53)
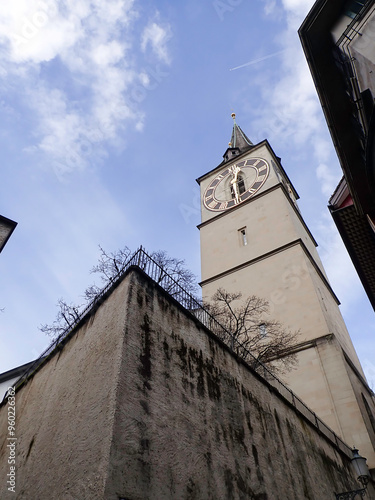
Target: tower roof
(239, 142)
(239, 139)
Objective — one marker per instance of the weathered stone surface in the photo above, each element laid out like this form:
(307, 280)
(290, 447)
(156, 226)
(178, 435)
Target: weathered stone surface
(143, 403)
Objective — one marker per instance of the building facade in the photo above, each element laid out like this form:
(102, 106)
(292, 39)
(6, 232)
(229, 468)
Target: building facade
(338, 39)
(255, 241)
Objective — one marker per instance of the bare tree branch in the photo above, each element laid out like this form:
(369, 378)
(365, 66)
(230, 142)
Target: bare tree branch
(172, 274)
(110, 264)
(66, 317)
(175, 268)
(268, 341)
(91, 293)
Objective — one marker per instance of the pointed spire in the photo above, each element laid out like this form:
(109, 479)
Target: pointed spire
(239, 142)
(239, 139)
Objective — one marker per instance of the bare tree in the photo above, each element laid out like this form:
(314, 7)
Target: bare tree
(66, 318)
(91, 293)
(170, 273)
(253, 336)
(170, 267)
(111, 264)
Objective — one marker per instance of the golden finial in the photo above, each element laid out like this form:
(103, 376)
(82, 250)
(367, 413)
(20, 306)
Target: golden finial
(230, 144)
(233, 115)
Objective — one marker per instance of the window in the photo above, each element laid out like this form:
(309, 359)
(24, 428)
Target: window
(369, 412)
(262, 330)
(243, 237)
(241, 186)
(353, 7)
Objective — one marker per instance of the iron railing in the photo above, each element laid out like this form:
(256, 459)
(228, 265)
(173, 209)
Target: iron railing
(194, 306)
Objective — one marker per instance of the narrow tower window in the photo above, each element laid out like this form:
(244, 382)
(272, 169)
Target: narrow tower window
(243, 237)
(262, 330)
(240, 185)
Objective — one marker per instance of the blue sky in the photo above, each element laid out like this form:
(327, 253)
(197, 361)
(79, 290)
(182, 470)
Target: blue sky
(110, 109)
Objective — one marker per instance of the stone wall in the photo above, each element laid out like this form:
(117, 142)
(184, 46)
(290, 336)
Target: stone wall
(65, 413)
(143, 403)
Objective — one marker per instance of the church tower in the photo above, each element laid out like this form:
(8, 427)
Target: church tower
(255, 241)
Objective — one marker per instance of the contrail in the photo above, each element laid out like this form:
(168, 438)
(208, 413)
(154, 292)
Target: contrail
(254, 61)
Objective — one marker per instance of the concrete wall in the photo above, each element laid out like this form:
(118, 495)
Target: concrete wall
(65, 413)
(332, 389)
(143, 403)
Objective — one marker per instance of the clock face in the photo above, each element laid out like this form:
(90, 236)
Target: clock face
(235, 184)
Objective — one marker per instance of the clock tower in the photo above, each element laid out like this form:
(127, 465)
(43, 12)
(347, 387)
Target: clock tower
(255, 241)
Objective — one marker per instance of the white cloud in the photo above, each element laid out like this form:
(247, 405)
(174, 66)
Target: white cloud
(157, 36)
(144, 79)
(338, 265)
(327, 179)
(36, 31)
(296, 11)
(270, 6)
(91, 44)
(108, 54)
(295, 113)
(323, 150)
(292, 97)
